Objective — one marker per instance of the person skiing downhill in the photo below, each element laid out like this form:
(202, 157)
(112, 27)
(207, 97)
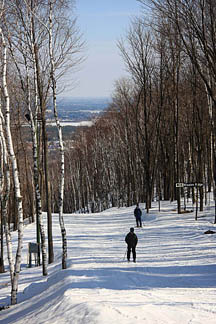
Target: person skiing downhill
(138, 214)
(131, 240)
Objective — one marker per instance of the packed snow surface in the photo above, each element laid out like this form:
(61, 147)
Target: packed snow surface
(173, 281)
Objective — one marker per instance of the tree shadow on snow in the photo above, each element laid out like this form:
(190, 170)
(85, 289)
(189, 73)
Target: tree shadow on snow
(126, 277)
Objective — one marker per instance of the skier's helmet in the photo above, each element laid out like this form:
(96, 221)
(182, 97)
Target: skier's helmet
(132, 229)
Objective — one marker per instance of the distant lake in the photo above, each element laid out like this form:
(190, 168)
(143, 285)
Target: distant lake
(80, 109)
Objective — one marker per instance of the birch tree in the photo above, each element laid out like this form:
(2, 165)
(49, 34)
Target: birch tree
(16, 270)
(26, 51)
(61, 145)
(4, 196)
(33, 121)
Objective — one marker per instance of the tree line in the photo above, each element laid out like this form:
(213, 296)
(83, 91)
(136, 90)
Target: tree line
(159, 129)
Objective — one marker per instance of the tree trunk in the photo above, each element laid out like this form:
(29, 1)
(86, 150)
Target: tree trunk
(14, 283)
(61, 145)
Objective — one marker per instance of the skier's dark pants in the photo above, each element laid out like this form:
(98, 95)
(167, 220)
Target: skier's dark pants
(138, 221)
(133, 248)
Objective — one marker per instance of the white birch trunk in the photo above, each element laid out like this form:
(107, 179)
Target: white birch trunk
(61, 145)
(33, 122)
(5, 196)
(12, 157)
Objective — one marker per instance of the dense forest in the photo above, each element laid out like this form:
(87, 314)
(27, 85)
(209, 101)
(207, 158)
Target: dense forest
(159, 129)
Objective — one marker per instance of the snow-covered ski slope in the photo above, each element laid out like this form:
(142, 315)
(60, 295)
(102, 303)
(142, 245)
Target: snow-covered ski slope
(173, 281)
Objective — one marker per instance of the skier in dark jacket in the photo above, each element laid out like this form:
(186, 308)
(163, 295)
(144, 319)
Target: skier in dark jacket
(131, 240)
(138, 214)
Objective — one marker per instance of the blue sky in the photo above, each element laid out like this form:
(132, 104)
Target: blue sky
(102, 23)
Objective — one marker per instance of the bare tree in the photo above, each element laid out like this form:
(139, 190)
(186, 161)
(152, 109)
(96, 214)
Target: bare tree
(16, 271)
(138, 54)
(194, 23)
(62, 165)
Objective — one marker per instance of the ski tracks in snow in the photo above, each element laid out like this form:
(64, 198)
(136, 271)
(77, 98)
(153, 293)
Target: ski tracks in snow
(173, 281)
(169, 266)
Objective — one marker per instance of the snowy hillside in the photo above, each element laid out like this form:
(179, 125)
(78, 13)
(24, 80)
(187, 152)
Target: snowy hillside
(173, 281)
